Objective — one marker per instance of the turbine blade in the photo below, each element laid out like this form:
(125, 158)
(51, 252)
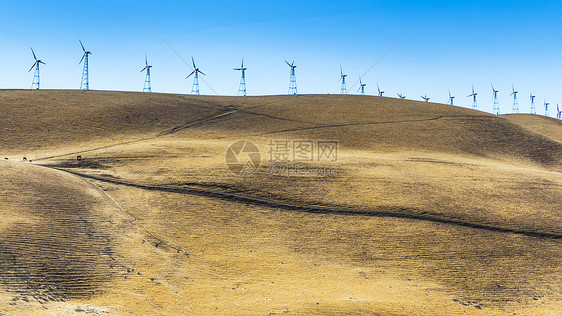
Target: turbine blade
(190, 74)
(33, 54)
(242, 66)
(201, 72)
(41, 62)
(32, 66)
(193, 61)
(288, 63)
(81, 59)
(144, 69)
(82, 46)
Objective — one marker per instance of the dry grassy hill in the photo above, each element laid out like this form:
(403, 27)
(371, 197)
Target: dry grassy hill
(432, 208)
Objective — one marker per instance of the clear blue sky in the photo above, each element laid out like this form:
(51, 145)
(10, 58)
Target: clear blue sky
(452, 45)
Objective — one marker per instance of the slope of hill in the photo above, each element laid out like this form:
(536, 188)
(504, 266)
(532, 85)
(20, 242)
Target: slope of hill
(427, 207)
(545, 126)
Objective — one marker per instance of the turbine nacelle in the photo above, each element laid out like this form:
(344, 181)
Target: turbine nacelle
(86, 52)
(473, 94)
(242, 68)
(494, 91)
(147, 66)
(361, 86)
(292, 65)
(379, 90)
(37, 61)
(513, 93)
(342, 76)
(196, 70)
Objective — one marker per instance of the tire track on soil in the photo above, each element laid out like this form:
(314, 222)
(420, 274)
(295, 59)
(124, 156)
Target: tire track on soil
(369, 123)
(241, 198)
(172, 131)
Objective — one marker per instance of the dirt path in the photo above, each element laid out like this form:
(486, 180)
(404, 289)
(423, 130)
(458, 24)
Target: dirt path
(241, 198)
(174, 130)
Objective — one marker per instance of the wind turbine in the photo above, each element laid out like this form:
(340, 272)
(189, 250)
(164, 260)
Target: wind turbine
(425, 98)
(379, 90)
(343, 89)
(546, 108)
(533, 110)
(242, 87)
(361, 86)
(495, 98)
(196, 71)
(85, 82)
(473, 95)
(147, 85)
(450, 98)
(292, 78)
(558, 113)
(401, 96)
(515, 103)
(36, 81)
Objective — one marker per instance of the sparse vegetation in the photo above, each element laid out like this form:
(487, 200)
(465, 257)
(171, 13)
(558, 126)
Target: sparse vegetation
(167, 232)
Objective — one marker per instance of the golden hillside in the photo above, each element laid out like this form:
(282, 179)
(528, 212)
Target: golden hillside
(431, 208)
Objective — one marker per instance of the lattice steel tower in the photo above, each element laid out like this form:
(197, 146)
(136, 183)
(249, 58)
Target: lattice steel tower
(451, 98)
(147, 85)
(242, 86)
(380, 92)
(196, 72)
(343, 89)
(292, 79)
(361, 86)
(515, 103)
(85, 81)
(473, 95)
(495, 97)
(36, 80)
(533, 109)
